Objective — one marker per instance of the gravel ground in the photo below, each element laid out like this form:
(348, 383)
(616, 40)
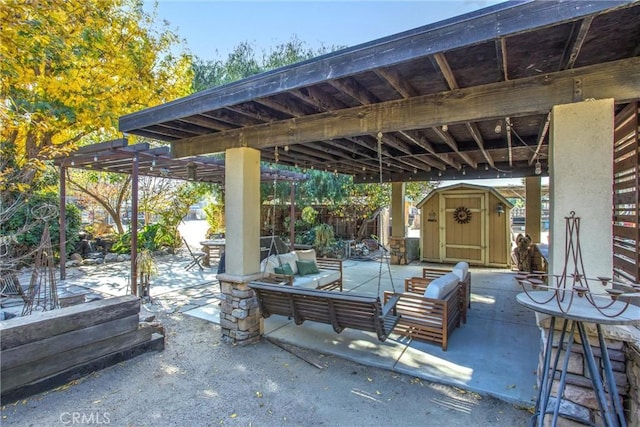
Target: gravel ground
(200, 381)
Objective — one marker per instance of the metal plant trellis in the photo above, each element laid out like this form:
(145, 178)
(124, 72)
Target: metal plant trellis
(574, 282)
(42, 294)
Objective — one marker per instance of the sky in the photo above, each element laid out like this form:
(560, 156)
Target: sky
(213, 28)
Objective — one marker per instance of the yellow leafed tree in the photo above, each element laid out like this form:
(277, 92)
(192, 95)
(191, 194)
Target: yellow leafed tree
(69, 69)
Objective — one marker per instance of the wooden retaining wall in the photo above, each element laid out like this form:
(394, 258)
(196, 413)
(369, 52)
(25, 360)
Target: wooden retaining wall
(44, 350)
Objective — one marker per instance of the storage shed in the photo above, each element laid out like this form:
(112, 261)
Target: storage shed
(465, 222)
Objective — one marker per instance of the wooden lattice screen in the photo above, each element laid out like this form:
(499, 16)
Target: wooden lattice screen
(626, 195)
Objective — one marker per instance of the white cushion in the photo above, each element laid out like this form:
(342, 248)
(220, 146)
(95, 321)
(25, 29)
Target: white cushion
(269, 264)
(324, 277)
(289, 258)
(442, 286)
(307, 254)
(461, 269)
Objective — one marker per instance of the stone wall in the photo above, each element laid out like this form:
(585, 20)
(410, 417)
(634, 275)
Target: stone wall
(632, 407)
(579, 398)
(240, 318)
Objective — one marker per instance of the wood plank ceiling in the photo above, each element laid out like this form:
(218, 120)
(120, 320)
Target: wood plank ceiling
(469, 97)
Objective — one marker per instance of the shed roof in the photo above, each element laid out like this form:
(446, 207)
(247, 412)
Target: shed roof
(467, 97)
(465, 186)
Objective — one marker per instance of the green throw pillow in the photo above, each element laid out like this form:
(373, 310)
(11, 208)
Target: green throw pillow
(307, 267)
(285, 269)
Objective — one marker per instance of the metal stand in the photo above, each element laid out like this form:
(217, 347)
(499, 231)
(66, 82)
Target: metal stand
(574, 319)
(613, 414)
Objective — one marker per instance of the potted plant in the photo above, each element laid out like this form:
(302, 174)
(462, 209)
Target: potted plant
(146, 268)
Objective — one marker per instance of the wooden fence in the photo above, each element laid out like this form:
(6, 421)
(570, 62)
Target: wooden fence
(626, 199)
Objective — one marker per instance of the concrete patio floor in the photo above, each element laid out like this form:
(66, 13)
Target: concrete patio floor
(495, 353)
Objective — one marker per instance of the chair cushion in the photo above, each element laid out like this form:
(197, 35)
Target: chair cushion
(442, 286)
(288, 258)
(285, 269)
(313, 281)
(269, 264)
(461, 270)
(307, 267)
(307, 254)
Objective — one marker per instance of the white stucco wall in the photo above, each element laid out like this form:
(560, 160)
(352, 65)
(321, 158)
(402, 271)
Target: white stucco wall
(581, 180)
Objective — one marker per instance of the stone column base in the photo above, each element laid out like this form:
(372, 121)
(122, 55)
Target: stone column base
(240, 318)
(398, 253)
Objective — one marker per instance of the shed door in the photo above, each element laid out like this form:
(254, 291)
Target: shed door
(463, 234)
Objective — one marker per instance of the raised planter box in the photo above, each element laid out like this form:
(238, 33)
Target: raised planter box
(44, 350)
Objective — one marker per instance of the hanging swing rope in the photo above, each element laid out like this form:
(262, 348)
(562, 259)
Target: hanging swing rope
(380, 245)
(276, 156)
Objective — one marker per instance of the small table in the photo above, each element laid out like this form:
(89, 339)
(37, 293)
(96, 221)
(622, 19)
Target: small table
(580, 312)
(215, 246)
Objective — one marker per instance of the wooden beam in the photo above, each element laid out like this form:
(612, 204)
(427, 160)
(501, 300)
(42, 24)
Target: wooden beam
(207, 122)
(396, 143)
(532, 95)
(313, 103)
(578, 42)
(419, 140)
(102, 146)
(278, 106)
(477, 137)
(448, 139)
(402, 86)
(501, 54)
(351, 87)
(321, 99)
(250, 114)
(544, 128)
(446, 71)
(431, 162)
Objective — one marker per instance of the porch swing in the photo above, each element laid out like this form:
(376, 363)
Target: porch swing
(340, 310)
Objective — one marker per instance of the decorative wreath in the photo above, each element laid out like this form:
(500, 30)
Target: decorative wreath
(462, 215)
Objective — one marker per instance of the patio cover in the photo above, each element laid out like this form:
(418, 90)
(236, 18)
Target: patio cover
(469, 97)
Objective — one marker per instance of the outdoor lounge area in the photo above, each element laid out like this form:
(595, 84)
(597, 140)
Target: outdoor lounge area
(530, 90)
(494, 353)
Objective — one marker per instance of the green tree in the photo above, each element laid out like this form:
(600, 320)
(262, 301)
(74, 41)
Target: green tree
(109, 191)
(69, 70)
(244, 62)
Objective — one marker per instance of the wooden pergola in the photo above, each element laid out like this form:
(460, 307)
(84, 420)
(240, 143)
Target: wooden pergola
(465, 98)
(141, 159)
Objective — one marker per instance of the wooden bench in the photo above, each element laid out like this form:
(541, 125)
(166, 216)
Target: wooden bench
(427, 318)
(339, 310)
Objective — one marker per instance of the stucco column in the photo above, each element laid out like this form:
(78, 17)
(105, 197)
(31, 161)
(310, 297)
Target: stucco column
(533, 207)
(240, 319)
(581, 180)
(397, 241)
(397, 209)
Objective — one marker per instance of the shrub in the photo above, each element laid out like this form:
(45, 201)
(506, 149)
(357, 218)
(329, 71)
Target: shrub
(27, 226)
